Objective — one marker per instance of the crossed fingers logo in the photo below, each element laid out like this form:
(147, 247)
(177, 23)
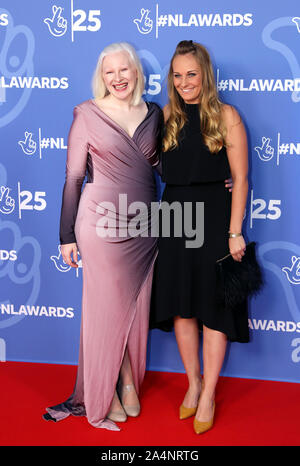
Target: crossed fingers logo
(144, 23)
(7, 203)
(57, 24)
(265, 151)
(293, 272)
(28, 145)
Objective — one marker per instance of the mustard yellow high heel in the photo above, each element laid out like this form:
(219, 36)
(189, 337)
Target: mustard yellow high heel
(201, 427)
(184, 412)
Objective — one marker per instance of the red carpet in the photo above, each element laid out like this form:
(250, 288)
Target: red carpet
(248, 412)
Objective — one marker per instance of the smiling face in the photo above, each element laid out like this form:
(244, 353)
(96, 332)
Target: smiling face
(187, 77)
(119, 75)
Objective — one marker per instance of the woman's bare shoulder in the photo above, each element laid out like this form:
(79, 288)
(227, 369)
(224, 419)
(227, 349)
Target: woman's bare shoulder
(230, 115)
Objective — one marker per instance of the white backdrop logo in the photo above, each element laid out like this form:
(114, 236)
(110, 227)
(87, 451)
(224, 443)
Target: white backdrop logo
(57, 24)
(144, 23)
(31, 82)
(257, 85)
(293, 272)
(80, 21)
(265, 151)
(167, 20)
(25, 200)
(28, 145)
(7, 203)
(29, 310)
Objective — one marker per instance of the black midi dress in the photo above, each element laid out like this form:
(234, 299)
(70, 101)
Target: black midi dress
(184, 282)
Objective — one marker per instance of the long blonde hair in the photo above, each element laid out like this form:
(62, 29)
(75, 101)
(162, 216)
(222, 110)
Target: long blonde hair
(212, 128)
(98, 85)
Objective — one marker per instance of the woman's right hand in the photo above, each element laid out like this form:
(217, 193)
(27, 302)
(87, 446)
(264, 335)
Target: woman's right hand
(237, 247)
(67, 250)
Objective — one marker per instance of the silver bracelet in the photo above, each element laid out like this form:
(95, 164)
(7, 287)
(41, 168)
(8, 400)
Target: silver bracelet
(234, 235)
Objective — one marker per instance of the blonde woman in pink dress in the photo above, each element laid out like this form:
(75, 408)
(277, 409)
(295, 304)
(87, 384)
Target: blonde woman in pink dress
(113, 139)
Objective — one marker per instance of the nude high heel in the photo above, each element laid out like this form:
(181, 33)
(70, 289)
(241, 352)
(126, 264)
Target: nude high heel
(117, 415)
(134, 410)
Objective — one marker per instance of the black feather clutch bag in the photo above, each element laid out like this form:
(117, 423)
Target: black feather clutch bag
(236, 281)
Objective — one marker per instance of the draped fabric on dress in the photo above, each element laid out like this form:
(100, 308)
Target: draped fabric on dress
(117, 268)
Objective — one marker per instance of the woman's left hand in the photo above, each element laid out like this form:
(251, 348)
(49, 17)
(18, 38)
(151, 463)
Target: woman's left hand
(237, 247)
(229, 184)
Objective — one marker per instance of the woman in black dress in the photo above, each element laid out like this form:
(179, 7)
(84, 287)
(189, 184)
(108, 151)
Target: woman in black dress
(204, 142)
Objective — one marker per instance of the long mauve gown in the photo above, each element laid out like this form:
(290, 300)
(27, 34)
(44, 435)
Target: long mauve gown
(117, 269)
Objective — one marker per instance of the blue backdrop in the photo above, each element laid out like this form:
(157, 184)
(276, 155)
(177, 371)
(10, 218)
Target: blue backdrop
(48, 52)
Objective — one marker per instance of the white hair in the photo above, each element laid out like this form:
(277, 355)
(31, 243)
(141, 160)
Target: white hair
(98, 85)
